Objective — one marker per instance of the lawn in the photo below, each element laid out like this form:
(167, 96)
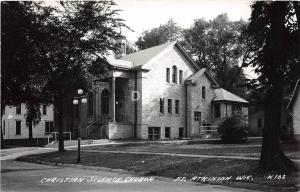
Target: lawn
(174, 167)
(247, 149)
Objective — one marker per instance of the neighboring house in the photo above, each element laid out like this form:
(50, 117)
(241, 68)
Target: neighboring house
(294, 110)
(256, 119)
(14, 123)
(156, 93)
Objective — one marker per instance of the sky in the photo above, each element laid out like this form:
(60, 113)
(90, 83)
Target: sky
(141, 15)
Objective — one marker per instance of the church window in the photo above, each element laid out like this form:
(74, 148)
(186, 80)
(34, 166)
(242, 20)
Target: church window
(174, 74)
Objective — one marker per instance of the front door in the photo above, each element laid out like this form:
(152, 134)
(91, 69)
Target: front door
(181, 132)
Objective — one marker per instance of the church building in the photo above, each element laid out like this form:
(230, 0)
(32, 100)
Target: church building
(156, 93)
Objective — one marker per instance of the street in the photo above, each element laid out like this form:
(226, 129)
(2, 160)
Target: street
(22, 176)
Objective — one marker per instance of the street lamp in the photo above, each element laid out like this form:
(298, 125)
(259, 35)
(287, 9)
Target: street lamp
(77, 101)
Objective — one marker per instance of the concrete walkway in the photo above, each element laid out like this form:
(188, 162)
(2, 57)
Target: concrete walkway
(14, 153)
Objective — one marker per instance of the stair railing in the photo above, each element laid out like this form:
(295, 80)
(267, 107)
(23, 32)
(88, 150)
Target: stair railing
(90, 126)
(101, 130)
(55, 134)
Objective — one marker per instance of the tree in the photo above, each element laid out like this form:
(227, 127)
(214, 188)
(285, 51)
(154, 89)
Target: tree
(219, 45)
(157, 36)
(67, 42)
(19, 82)
(275, 30)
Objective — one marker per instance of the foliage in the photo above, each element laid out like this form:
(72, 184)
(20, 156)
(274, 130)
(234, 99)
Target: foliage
(220, 46)
(157, 36)
(260, 30)
(19, 65)
(233, 129)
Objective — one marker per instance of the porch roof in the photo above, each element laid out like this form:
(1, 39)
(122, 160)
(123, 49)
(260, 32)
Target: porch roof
(224, 95)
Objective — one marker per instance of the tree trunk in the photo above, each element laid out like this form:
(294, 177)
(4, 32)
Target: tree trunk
(2, 112)
(2, 141)
(30, 132)
(272, 157)
(59, 121)
(275, 58)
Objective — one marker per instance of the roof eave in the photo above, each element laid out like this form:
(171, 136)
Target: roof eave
(224, 100)
(187, 56)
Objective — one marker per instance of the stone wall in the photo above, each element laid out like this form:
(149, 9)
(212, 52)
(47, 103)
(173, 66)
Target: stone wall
(154, 87)
(196, 103)
(120, 130)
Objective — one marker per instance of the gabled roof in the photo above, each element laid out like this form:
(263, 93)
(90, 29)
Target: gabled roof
(195, 76)
(224, 95)
(295, 94)
(141, 58)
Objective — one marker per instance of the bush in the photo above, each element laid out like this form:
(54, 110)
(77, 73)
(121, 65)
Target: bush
(233, 129)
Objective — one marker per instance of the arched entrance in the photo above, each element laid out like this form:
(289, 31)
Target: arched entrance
(105, 103)
(104, 113)
(120, 105)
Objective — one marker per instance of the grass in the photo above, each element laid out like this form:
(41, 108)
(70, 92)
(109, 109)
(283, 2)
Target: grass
(173, 167)
(248, 150)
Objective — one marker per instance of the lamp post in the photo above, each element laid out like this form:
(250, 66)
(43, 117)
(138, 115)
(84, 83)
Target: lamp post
(77, 101)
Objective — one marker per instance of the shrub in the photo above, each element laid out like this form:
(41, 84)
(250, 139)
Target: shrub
(233, 129)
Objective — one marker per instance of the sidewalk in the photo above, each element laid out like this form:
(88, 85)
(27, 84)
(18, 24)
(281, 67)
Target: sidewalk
(13, 153)
(91, 142)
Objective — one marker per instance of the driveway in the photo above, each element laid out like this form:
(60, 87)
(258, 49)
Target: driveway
(22, 176)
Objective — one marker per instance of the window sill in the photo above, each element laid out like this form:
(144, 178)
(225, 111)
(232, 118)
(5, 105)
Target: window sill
(174, 84)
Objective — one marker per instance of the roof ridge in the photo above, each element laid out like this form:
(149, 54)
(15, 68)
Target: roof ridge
(169, 42)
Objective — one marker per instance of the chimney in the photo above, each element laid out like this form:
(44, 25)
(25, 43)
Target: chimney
(120, 48)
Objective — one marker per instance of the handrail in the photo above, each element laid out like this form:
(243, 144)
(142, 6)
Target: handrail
(89, 126)
(49, 137)
(214, 129)
(56, 133)
(101, 131)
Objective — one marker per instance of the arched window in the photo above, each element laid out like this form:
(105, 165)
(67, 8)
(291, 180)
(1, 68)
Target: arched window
(174, 74)
(105, 101)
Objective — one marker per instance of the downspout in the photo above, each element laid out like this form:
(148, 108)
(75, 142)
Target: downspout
(135, 108)
(186, 111)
